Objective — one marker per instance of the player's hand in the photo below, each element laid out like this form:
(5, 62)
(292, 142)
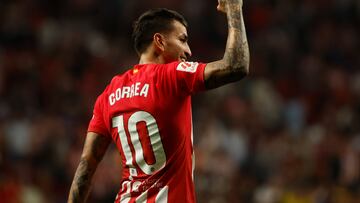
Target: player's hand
(223, 3)
(221, 6)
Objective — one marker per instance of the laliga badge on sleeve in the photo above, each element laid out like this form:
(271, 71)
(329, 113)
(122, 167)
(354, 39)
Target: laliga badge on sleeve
(187, 67)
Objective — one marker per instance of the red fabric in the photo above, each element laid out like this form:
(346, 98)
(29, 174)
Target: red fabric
(152, 101)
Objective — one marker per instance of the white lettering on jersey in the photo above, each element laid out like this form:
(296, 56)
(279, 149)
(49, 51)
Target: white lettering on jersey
(137, 89)
(144, 91)
(133, 90)
(125, 92)
(187, 67)
(112, 99)
(118, 94)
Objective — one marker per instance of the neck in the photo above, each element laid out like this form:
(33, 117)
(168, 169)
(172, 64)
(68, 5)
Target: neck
(151, 57)
(148, 60)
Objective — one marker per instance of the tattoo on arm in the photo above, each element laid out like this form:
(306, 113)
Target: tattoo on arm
(81, 182)
(94, 150)
(237, 49)
(235, 63)
(234, 15)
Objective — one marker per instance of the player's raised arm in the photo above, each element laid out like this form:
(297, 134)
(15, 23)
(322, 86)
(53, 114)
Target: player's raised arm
(235, 63)
(93, 152)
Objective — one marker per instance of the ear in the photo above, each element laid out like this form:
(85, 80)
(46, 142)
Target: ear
(159, 41)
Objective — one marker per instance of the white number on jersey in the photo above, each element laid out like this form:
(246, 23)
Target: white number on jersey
(155, 141)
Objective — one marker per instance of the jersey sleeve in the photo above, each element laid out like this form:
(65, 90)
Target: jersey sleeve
(185, 78)
(97, 123)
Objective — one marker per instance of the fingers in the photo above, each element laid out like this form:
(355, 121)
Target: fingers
(221, 6)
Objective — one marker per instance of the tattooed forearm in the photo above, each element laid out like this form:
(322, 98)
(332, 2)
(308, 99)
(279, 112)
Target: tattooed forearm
(237, 49)
(235, 63)
(94, 150)
(234, 14)
(81, 184)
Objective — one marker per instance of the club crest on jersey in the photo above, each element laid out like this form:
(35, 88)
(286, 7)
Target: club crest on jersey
(187, 67)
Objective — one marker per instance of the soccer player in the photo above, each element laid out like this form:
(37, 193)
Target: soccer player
(146, 111)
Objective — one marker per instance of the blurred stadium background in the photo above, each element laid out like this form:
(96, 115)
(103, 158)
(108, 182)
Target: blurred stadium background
(288, 133)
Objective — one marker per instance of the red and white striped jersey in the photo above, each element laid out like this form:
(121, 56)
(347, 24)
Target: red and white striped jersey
(147, 113)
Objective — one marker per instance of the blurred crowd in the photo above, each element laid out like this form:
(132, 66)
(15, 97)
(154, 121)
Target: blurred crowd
(288, 133)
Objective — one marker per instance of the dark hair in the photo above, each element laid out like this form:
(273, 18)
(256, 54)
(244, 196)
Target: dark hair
(153, 21)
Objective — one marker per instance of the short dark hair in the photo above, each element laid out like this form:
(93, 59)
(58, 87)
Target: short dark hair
(153, 21)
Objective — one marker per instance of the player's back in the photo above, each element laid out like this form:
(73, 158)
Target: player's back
(147, 113)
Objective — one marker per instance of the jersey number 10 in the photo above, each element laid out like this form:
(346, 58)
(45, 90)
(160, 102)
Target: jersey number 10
(155, 141)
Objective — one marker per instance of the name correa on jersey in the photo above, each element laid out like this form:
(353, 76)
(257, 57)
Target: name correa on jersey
(154, 137)
(137, 89)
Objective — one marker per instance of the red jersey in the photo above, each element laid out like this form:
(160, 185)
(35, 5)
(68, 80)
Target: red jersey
(147, 113)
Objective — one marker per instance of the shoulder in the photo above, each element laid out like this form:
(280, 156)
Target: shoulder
(187, 66)
(110, 86)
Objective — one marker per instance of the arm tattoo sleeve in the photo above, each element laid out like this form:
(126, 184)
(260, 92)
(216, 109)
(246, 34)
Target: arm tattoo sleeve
(235, 63)
(94, 149)
(237, 49)
(81, 183)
